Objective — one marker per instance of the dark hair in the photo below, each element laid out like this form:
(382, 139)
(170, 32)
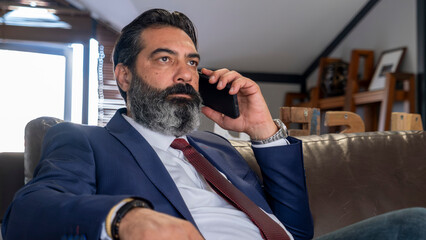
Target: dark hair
(129, 43)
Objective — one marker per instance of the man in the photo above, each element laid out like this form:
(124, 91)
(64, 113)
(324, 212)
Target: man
(129, 181)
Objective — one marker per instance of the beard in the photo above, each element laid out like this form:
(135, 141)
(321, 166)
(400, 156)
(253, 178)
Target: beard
(157, 110)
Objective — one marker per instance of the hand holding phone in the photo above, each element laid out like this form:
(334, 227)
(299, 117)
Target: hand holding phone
(219, 100)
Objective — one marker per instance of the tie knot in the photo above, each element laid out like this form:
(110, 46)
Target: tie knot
(179, 144)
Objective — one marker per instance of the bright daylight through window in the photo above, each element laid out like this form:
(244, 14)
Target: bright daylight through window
(32, 85)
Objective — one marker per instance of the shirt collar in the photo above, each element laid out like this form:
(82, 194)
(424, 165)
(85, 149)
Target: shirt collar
(155, 139)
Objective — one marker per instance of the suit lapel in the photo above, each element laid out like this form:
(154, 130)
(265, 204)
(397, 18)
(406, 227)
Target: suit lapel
(148, 161)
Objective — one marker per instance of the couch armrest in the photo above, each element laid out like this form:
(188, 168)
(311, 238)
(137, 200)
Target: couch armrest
(11, 178)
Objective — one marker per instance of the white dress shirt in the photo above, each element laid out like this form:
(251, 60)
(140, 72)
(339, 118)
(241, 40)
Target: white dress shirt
(214, 216)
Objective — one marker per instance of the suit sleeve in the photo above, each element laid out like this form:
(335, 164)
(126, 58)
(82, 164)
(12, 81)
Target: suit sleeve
(285, 186)
(60, 200)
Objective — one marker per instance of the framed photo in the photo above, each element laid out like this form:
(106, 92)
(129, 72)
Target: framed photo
(389, 61)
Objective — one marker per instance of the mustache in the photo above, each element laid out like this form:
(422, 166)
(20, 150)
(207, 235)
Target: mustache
(181, 89)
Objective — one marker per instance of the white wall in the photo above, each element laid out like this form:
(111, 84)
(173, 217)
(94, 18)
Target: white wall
(390, 24)
(274, 94)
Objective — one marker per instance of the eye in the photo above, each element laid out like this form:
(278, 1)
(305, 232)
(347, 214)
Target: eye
(193, 63)
(164, 59)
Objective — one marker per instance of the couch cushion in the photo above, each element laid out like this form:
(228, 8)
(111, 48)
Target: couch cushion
(351, 177)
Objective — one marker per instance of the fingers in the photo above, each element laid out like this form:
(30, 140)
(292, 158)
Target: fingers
(224, 76)
(215, 116)
(254, 112)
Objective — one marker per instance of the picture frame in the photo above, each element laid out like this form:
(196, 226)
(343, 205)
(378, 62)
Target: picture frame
(389, 61)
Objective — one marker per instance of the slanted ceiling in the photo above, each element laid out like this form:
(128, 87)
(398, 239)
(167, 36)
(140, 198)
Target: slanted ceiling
(274, 36)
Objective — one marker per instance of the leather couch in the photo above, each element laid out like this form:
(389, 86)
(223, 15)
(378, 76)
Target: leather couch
(350, 177)
(354, 176)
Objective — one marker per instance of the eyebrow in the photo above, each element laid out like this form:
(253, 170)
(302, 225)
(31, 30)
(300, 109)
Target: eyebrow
(194, 55)
(169, 51)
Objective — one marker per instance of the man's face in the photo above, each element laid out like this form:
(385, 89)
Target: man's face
(168, 57)
(163, 90)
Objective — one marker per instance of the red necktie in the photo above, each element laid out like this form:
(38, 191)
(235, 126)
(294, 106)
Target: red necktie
(269, 229)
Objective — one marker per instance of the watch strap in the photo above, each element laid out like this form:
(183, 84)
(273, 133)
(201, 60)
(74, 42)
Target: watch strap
(122, 211)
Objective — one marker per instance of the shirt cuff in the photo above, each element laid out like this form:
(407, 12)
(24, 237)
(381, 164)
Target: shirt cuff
(277, 143)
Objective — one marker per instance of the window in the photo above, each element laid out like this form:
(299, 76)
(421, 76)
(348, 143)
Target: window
(35, 82)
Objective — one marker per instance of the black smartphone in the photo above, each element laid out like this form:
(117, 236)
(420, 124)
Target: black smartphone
(219, 100)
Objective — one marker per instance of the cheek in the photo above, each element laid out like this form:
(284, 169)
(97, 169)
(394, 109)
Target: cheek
(195, 86)
(157, 80)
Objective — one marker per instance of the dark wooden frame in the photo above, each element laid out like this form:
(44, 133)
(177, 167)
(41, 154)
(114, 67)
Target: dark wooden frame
(379, 62)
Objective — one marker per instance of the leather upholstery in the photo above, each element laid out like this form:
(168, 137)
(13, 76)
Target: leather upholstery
(34, 134)
(11, 178)
(351, 177)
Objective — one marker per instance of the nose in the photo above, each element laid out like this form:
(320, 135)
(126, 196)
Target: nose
(183, 74)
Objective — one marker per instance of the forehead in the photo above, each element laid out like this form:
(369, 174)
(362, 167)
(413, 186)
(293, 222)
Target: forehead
(165, 36)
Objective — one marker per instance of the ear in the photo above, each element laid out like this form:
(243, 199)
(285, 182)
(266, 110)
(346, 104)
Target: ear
(123, 76)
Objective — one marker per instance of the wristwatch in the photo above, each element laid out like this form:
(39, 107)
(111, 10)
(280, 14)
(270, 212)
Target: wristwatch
(281, 134)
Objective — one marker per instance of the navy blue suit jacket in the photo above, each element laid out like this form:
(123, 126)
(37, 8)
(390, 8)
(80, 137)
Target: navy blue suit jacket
(84, 171)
